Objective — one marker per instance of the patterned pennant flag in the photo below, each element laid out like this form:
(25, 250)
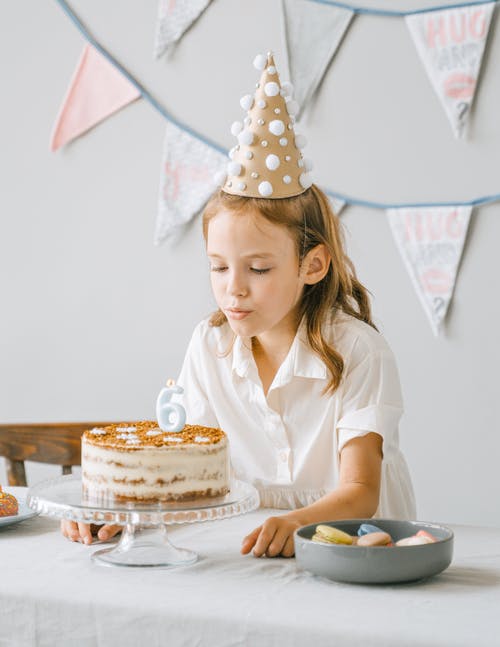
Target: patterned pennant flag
(313, 33)
(174, 18)
(451, 45)
(96, 91)
(431, 240)
(188, 178)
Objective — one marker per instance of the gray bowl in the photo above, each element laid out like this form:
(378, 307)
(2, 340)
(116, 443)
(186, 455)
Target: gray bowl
(376, 564)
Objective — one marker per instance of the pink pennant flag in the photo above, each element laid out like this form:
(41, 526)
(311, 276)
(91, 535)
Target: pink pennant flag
(97, 90)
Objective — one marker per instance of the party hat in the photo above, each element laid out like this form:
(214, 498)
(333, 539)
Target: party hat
(267, 161)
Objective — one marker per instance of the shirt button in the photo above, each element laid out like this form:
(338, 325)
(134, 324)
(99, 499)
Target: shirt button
(283, 456)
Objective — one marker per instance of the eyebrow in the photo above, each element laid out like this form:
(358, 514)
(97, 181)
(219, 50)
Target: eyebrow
(256, 255)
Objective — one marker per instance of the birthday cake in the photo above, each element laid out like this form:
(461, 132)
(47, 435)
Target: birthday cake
(139, 462)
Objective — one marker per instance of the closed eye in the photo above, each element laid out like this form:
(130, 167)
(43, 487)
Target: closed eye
(256, 271)
(218, 268)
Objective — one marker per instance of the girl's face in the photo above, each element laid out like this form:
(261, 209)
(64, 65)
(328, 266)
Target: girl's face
(254, 273)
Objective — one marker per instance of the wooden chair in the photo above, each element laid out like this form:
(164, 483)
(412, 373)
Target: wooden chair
(56, 443)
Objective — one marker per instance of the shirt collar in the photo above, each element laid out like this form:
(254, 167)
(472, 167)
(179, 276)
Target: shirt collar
(301, 360)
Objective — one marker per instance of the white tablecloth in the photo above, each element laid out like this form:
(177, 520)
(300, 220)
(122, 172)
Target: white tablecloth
(52, 594)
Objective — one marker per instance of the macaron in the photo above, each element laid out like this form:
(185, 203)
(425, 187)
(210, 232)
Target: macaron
(414, 540)
(332, 535)
(365, 528)
(424, 533)
(378, 538)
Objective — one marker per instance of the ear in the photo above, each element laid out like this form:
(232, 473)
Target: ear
(316, 264)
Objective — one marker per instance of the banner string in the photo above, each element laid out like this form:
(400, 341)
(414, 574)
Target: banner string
(398, 14)
(333, 194)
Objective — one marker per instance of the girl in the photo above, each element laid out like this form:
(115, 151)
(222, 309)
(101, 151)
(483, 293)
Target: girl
(291, 365)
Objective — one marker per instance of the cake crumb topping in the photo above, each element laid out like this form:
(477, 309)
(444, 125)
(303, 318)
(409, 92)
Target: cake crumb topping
(146, 433)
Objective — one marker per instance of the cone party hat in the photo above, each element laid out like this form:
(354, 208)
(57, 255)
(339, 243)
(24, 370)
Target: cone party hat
(267, 161)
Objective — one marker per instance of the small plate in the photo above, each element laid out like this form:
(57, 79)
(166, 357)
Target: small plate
(25, 512)
(375, 564)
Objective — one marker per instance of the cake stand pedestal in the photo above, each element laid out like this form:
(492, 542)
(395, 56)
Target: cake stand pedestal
(144, 541)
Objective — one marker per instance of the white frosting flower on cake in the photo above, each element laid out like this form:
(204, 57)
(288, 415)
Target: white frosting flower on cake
(97, 432)
(126, 429)
(174, 439)
(153, 432)
(202, 439)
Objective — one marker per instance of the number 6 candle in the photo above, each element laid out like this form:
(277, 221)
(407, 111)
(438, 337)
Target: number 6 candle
(170, 415)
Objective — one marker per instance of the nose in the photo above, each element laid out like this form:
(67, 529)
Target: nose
(236, 285)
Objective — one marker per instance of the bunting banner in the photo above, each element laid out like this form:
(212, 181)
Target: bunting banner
(451, 45)
(174, 19)
(188, 178)
(97, 90)
(431, 242)
(313, 33)
(337, 205)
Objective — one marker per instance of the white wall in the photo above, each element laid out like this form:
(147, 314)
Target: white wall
(94, 318)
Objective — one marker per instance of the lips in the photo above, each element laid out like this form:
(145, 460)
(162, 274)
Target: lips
(237, 314)
(459, 86)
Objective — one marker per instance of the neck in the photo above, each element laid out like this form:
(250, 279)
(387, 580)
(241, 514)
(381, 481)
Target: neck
(275, 343)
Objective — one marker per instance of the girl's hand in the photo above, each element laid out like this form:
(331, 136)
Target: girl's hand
(274, 538)
(83, 532)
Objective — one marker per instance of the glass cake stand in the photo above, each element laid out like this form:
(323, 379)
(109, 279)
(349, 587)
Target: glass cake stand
(144, 540)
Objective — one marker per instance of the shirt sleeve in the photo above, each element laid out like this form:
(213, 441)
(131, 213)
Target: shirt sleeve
(371, 400)
(194, 398)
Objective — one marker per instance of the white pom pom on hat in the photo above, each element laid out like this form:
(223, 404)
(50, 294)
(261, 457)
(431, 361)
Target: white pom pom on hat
(267, 161)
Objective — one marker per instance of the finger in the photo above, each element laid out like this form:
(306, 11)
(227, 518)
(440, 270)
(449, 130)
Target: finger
(278, 542)
(106, 532)
(85, 534)
(249, 541)
(288, 549)
(264, 539)
(70, 530)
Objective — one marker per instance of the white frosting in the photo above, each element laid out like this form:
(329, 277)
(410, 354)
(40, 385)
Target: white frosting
(126, 429)
(202, 439)
(153, 432)
(201, 466)
(97, 432)
(174, 439)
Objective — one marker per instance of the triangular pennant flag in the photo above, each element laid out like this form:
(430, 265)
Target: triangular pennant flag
(188, 178)
(313, 33)
(174, 19)
(431, 240)
(451, 44)
(97, 90)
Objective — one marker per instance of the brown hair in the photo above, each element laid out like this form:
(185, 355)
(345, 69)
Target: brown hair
(310, 220)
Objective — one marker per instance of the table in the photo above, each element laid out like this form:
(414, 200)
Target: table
(51, 594)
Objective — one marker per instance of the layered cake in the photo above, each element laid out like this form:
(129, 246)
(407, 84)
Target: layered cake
(139, 462)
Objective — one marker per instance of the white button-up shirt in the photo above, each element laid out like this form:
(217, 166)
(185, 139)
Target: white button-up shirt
(288, 443)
